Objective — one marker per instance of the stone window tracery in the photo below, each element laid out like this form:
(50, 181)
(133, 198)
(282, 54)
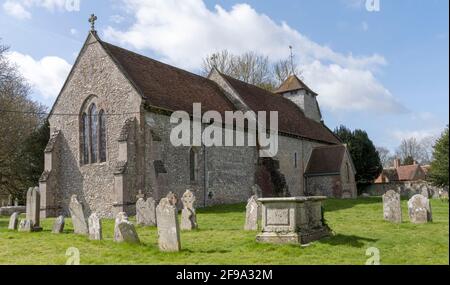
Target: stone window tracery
(93, 135)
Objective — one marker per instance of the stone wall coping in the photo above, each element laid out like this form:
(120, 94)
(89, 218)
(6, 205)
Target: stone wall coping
(299, 199)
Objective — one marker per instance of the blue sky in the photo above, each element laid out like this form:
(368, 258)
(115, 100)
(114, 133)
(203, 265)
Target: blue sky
(385, 72)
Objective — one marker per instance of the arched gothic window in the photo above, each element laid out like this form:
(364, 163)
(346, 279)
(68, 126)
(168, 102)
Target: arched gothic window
(93, 135)
(85, 138)
(193, 165)
(102, 136)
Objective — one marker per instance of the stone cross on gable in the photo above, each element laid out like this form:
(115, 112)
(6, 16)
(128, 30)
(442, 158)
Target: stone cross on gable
(92, 20)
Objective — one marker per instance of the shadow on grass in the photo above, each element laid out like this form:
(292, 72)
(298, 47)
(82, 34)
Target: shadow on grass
(223, 209)
(351, 240)
(206, 251)
(341, 204)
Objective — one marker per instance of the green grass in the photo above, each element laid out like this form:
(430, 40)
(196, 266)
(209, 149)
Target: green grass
(357, 225)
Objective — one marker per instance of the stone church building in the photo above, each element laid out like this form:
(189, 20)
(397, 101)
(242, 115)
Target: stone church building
(110, 134)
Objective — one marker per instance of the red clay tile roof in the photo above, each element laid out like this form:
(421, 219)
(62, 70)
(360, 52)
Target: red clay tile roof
(325, 160)
(410, 172)
(293, 83)
(168, 87)
(291, 118)
(174, 89)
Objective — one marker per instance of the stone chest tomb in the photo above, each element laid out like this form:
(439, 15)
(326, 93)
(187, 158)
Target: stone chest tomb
(296, 220)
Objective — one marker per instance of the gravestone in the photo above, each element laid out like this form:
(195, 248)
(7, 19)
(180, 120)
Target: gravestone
(16, 202)
(252, 214)
(25, 226)
(58, 225)
(173, 199)
(256, 190)
(121, 217)
(188, 216)
(424, 191)
(32, 211)
(128, 232)
(168, 227)
(392, 210)
(78, 220)
(13, 221)
(419, 209)
(146, 212)
(95, 227)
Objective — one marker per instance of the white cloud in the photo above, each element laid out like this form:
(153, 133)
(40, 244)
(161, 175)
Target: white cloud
(73, 31)
(16, 10)
(46, 75)
(422, 134)
(352, 89)
(20, 8)
(184, 32)
(116, 19)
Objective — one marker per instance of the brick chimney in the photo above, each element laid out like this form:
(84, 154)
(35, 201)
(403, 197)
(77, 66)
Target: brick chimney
(396, 163)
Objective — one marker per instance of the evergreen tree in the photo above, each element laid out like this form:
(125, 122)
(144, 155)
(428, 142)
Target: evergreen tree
(439, 166)
(364, 154)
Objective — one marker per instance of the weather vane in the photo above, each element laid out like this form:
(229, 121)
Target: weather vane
(92, 20)
(292, 60)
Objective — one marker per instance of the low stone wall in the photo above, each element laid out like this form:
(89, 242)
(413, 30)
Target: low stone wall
(407, 189)
(8, 211)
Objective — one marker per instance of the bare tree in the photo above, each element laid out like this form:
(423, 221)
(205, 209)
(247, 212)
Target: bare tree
(420, 151)
(251, 67)
(19, 118)
(283, 69)
(385, 156)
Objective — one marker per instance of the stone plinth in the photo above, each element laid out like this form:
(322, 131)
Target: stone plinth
(296, 220)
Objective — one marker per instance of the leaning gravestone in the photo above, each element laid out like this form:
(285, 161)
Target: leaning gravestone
(188, 216)
(58, 225)
(252, 214)
(419, 209)
(128, 232)
(95, 227)
(121, 217)
(392, 210)
(168, 227)
(77, 214)
(146, 212)
(13, 221)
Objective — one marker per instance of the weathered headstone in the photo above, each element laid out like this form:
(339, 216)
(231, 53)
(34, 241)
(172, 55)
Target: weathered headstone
(256, 190)
(424, 191)
(146, 212)
(173, 199)
(58, 225)
(392, 210)
(95, 227)
(25, 226)
(128, 232)
(121, 217)
(419, 209)
(33, 209)
(78, 220)
(188, 215)
(13, 221)
(252, 213)
(16, 202)
(168, 227)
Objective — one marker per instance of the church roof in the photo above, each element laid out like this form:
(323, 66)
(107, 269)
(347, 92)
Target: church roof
(293, 83)
(168, 87)
(326, 160)
(291, 118)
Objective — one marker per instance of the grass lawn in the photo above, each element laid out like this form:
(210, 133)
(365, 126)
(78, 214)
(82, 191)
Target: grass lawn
(357, 225)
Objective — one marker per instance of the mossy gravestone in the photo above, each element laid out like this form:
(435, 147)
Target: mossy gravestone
(168, 227)
(78, 220)
(188, 215)
(392, 210)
